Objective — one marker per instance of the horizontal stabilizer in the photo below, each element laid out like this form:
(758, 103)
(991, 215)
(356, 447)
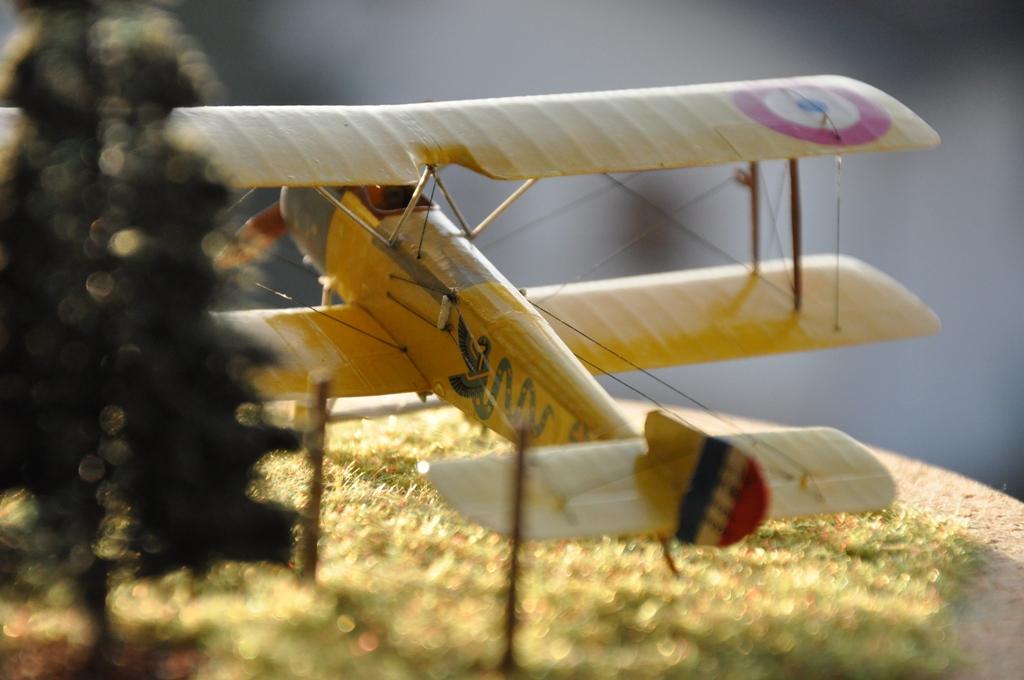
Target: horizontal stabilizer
(341, 343)
(818, 470)
(729, 312)
(703, 490)
(571, 491)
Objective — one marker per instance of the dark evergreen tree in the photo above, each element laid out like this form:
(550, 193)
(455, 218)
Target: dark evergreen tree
(53, 333)
(179, 383)
(116, 387)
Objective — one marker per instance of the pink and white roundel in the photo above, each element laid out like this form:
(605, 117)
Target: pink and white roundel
(830, 115)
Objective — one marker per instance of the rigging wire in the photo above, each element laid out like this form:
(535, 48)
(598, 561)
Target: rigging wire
(332, 318)
(667, 217)
(523, 228)
(704, 407)
(419, 284)
(774, 211)
(240, 201)
(426, 214)
(409, 309)
(809, 104)
(670, 217)
(631, 364)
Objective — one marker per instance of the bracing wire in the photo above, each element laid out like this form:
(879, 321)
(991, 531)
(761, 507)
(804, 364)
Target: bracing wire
(522, 229)
(704, 407)
(774, 210)
(328, 316)
(423, 230)
(670, 217)
(230, 209)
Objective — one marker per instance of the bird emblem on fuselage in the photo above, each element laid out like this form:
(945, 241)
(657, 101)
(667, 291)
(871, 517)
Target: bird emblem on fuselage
(475, 353)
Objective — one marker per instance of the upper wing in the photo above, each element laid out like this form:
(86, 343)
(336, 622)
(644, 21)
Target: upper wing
(554, 135)
(342, 343)
(684, 317)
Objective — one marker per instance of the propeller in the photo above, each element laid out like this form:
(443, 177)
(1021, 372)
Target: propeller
(251, 241)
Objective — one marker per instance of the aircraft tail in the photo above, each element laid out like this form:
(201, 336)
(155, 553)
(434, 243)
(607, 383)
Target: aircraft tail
(676, 481)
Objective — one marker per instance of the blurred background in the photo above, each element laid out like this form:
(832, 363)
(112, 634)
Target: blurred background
(945, 222)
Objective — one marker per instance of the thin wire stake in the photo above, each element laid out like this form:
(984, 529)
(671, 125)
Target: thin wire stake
(315, 446)
(508, 663)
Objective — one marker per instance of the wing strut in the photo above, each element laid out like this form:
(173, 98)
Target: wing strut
(333, 200)
(431, 171)
(797, 221)
(448, 197)
(501, 208)
(416, 193)
(755, 212)
(752, 180)
(427, 172)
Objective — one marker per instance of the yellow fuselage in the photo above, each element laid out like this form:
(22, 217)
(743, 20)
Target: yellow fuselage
(494, 357)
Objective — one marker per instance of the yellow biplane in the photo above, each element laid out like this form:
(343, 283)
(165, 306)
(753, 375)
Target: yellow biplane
(424, 311)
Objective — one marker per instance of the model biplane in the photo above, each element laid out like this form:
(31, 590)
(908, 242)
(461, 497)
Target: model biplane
(424, 311)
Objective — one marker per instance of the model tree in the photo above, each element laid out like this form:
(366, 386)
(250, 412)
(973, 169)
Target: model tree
(118, 393)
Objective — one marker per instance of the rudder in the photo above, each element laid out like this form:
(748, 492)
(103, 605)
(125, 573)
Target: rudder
(725, 494)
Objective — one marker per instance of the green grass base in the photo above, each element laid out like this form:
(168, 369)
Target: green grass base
(407, 588)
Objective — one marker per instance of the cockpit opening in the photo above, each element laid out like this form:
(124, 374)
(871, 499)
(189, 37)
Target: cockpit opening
(386, 200)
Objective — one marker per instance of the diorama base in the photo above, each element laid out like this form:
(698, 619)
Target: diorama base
(991, 625)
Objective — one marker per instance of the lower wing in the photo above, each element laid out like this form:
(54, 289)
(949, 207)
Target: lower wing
(342, 343)
(729, 312)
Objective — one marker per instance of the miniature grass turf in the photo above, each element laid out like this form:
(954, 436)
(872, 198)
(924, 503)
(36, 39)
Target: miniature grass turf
(407, 588)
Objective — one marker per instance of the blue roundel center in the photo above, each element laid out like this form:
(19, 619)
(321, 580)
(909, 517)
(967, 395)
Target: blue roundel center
(812, 105)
